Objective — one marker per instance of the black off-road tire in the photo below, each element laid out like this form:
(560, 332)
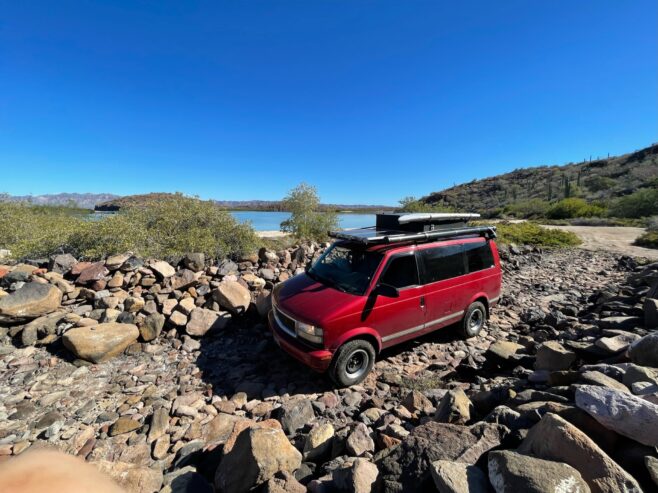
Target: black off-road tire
(474, 319)
(352, 363)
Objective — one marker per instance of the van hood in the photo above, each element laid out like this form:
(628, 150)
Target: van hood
(310, 301)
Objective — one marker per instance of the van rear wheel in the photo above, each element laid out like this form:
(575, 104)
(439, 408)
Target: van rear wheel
(474, 319)
(352, 362)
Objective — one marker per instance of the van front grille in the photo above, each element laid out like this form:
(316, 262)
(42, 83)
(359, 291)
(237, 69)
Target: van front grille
(287, 322)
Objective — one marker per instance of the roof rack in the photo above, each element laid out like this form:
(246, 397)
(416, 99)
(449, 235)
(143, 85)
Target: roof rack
(395, 228)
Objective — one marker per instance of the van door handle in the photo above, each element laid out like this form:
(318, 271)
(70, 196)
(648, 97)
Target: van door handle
(422, 301)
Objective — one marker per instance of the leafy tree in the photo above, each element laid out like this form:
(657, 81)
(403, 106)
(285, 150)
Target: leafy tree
(642, 203)
(411, 204)
(306, 221)
(574, 207)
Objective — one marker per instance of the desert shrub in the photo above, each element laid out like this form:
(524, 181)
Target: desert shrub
(306, 221)
(574, 207)
(162, 228)
(527, 209)
(648, 240)
(532, 234)
(642, 203)
(599, 183)
(37, 231)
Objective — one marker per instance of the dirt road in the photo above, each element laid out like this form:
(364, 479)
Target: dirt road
(611, 239)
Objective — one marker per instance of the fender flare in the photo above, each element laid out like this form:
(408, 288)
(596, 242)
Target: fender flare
(358, 333)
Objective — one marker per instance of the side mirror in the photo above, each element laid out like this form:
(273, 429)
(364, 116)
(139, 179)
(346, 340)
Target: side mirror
(387, 290)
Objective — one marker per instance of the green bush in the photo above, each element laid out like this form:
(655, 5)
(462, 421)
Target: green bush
(532, 234)
(306, 221)
(528, 209)
(161, 228)
(598, 183)
(648, 240)
(37, 231)
(642, 203)
(574, 207)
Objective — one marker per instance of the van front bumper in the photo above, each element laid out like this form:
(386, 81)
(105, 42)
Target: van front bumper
(317, 359)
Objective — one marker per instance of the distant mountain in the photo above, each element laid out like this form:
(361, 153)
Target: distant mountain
(600, 179)
(252, 205)
(82, 200)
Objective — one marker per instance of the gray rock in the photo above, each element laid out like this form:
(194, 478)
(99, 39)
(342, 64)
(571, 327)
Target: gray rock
(359, 441)
(457, 477)
(361, 476)
(555, 439)
(643, 352)
(651, 313)
(194, 261)
(621, 412)
(62, 263)
(203, 320)
(408, 465)
(652, 467)
(510, 472)
(30, 301)
(620, 323)
(294, 414)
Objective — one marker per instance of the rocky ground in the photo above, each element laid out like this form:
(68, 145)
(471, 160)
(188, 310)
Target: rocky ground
(166, 377)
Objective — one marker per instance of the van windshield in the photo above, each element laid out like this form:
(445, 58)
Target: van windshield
(345, 267)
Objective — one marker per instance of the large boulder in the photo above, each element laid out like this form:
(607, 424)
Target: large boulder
(233, 296)
(101, 342)
(457, 477)
(408, 465)
(621, 412)
(30, 301)
(510, 472)
(255, 457)
(645, 351)
(554, 438)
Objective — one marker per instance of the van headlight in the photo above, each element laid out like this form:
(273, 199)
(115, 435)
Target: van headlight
(309, 332)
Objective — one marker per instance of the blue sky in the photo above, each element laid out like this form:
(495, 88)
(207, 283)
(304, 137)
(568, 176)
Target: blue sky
(370, 101)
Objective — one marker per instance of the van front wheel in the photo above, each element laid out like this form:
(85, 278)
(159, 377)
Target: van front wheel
(474, 319)
(352, 363)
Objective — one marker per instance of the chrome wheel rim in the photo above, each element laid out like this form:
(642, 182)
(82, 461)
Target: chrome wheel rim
(357, 363)
(475, 321)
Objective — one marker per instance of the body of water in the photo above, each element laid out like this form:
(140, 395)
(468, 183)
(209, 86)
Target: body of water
(271, 221)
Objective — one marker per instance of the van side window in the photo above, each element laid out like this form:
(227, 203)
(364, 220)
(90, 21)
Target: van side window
(442, 263)
(401, 272)
(478, 256)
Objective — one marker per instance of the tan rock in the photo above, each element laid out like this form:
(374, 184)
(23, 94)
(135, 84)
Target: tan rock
(455, 407)
(257, 455)
(233, 296)
(318, 441)
(134, 478)
(100, 342)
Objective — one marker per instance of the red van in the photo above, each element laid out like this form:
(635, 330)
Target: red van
(377, 287)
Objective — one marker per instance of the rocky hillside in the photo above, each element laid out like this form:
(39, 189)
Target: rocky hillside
(81, 200)
(166, 377)
(601, 179)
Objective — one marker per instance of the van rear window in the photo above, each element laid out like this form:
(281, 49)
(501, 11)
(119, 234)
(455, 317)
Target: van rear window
(478, 256)
(442, 263)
